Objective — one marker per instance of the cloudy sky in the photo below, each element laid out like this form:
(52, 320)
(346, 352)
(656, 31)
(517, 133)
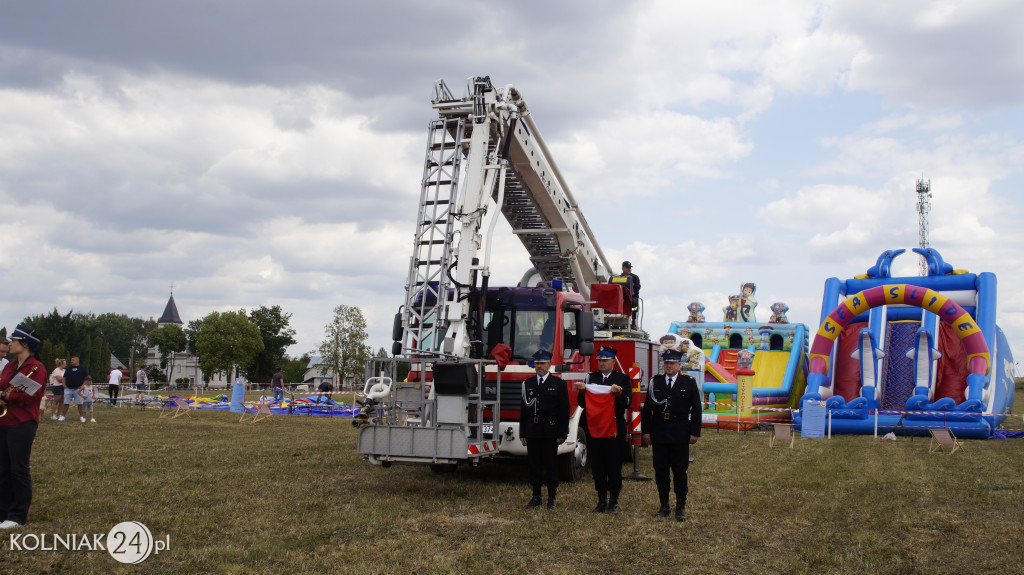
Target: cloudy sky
(260, 153)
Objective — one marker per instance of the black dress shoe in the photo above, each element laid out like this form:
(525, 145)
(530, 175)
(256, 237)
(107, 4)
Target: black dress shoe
(613, 508)
(664, 511)
(535, 502)
(551, 503)
(601, 507)
(680, 513)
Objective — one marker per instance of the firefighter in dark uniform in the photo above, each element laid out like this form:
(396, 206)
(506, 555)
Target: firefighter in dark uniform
(543, 426)
(670, 419)
(605, 424)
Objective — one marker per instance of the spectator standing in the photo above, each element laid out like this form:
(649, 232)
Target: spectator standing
(18, 427)
(88, 394)
(114, 385)
(57, 386)
(74, 376)
(277, 382)
(141, 385)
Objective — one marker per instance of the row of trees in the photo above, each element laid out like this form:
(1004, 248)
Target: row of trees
(236, 343)
(92, 338)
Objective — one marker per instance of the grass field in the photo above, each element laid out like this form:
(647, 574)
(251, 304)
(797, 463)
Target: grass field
(291, 495)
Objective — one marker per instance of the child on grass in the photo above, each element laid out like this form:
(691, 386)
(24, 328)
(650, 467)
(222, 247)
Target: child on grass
(88, 395)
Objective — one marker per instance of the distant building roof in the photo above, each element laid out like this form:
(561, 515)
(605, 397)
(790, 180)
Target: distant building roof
(170, 313)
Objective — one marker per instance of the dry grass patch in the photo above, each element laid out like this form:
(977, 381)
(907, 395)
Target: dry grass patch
(291, 495)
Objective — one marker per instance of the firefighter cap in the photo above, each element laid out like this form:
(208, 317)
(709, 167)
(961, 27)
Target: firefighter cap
(542, 355)
(671, 355)
(606, 352)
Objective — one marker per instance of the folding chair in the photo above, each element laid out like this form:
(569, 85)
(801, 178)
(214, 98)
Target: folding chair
(780, 433)
(258, 413)
(943, 439)
(181, 407)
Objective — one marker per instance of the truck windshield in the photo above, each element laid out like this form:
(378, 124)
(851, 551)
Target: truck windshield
(525, 331)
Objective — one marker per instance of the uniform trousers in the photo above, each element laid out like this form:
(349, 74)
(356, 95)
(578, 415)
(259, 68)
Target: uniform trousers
(605, 455)
(542, 457)
(674, 458)
(15, 478)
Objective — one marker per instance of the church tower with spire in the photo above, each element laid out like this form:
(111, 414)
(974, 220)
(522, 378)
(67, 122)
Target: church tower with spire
(170, 314)
(181, 364)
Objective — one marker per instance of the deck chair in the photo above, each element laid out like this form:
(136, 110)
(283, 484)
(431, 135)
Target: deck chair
(181, 407)
(943, 439)
(780, 433)
(258, 413)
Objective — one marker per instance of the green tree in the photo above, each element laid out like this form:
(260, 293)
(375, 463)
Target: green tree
(277, 335)
(119, 333)
(92, 338)
(141, 329)
(294, 368)
(169, 338)
(344, 348)
(225, 341)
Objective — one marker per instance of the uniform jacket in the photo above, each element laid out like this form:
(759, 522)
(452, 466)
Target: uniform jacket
(22, 407)
(548, 416)
(683, 404)
(622, 402)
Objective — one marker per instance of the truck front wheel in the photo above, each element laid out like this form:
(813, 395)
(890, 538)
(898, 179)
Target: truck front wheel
(574, 465)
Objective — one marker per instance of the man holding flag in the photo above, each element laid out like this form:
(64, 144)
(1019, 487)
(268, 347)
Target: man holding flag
(604, 405)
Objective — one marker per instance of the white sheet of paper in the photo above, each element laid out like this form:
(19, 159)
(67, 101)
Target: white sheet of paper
(24, 383)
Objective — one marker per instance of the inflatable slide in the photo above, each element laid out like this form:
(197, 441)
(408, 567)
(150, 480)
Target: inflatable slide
(908, 354)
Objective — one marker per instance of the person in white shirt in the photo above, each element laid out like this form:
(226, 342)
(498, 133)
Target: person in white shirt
(57, 386)
(114, 385)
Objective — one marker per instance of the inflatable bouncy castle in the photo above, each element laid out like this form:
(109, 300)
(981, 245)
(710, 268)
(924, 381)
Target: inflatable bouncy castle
(908, 354)
(749, 372)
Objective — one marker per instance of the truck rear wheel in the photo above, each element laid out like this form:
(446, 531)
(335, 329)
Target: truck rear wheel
(573, 466)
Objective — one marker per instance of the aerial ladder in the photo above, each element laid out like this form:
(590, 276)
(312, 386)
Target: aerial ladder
(487, 142)
(484, 154)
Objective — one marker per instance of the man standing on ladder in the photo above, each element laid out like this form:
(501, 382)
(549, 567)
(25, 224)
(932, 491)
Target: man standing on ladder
(627, 270)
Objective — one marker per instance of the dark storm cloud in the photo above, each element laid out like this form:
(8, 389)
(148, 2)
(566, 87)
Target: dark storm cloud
(373, 51)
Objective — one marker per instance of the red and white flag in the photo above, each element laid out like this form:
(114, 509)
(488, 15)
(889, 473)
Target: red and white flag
(600, 410)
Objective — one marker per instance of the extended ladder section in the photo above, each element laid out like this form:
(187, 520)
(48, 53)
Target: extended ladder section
(428, 283)
(491, 138)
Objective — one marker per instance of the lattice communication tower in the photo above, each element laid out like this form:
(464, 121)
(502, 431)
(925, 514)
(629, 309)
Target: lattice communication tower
(924, 206)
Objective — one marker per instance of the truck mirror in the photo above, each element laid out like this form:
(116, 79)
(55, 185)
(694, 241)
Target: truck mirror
(396, 348)
(396, 328)
(586, 327)
(587, 348)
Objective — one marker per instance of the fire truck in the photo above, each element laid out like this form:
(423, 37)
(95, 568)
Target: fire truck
(460, 405)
